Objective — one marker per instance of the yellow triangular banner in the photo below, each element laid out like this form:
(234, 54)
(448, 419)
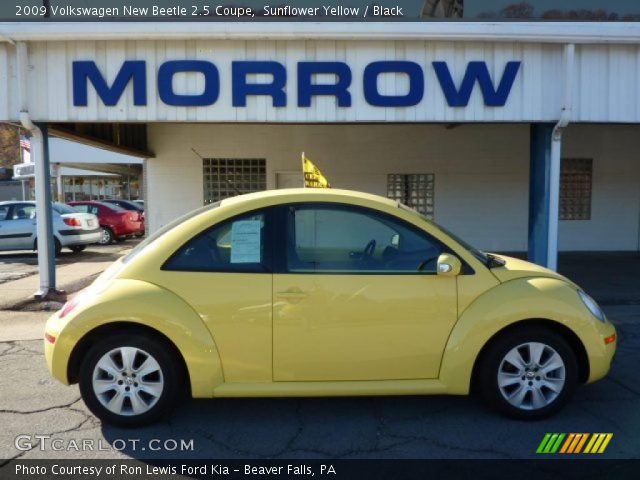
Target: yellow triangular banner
(313, 177)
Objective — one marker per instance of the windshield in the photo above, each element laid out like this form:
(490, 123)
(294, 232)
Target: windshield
(62, 209)
(479, 254)
(169, 226)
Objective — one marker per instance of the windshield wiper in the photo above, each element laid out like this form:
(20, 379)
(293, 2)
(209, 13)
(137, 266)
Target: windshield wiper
(494, 261)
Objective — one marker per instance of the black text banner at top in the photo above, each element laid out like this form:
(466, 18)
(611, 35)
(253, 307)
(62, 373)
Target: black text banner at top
(319, 10)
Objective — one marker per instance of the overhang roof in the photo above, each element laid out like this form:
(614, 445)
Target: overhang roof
(546, 32)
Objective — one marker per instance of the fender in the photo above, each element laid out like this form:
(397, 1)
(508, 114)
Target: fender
(146, 304)
(508, 303)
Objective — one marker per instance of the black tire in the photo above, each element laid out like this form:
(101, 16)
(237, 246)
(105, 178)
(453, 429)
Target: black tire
(77, 248)
(57, 246)
(170, 366)
(107, 236)
(121, 239)
(486, 381)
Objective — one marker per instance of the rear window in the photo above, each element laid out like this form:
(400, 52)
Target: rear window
(130, 205)
(62, 209)
(114, 207)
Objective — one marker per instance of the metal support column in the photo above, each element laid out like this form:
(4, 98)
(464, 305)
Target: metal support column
(539, 192)
(45, 239)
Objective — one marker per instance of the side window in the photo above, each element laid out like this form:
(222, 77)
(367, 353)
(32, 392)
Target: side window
(354, 240)
(236, 245)
(93, 209)
(4, 210)
(23, 211)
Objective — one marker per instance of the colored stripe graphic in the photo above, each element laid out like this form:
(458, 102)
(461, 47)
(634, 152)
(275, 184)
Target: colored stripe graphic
(581, 443)
(544, 441)
(550, 443)
(598, 443)
(605, 443)
(567, 443)
(574, 443)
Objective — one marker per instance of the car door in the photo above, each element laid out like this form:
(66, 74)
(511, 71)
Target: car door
(358, 297)
(19, 227)
(5, 240)
(224, 274)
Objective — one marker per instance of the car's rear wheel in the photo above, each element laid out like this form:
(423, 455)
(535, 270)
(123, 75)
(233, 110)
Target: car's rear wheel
(106, 236)
(130, 380)
(529, 373)
(57, 246)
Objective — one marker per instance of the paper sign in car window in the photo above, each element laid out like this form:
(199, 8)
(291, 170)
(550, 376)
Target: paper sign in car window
(245, 241)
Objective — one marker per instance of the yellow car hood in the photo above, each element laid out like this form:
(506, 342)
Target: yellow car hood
(516, 268)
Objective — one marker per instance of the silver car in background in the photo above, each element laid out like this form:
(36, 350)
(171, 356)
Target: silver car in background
(71, 229)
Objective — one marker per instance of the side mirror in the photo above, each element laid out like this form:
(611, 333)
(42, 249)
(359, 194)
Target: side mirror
(449, 265)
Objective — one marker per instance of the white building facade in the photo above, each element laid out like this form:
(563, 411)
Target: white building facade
(459, 119)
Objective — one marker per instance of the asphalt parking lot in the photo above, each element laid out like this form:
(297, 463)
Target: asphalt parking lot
(32, 403)
(383, 427)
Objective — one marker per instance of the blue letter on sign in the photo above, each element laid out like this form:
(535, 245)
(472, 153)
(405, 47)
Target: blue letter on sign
(211, 83)
(306, 89)
(476, 71)
(131, 69)
(275, 89)
(416, 84)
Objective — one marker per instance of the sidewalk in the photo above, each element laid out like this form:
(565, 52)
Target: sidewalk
(70, 278)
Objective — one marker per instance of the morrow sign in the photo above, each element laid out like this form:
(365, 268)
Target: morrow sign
(495, 92)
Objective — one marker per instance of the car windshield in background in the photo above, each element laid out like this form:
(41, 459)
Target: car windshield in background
(63, 209)
(169, 226)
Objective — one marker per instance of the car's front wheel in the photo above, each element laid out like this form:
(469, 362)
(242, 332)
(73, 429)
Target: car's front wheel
(130, 380)
(529, 373)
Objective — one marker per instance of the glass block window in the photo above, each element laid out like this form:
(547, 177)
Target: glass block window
(414, 189)
(228, 177)
(575, 188)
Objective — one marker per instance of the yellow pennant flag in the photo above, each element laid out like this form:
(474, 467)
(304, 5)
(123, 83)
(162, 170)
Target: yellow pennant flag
(313, 177)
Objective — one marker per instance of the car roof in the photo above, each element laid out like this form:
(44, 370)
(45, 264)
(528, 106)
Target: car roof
(285, 195)
(13, 202)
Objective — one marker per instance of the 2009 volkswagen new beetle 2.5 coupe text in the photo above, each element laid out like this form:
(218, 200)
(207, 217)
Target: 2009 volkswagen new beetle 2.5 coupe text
(310, 292)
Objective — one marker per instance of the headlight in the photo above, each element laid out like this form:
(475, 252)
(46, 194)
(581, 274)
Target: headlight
(591, 304)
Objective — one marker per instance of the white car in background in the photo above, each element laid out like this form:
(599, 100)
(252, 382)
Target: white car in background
(71, 229)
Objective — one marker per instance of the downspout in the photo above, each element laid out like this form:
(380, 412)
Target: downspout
(44, 227)
(556, 154)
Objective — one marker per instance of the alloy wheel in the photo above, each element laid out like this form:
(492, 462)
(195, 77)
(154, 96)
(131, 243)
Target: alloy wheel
(105, 238)
(531, 376)
(128, 381)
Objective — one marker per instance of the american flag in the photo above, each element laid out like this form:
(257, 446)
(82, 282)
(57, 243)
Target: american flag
(25, 143)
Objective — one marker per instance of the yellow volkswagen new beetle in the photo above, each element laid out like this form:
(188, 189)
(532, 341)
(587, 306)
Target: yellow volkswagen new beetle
(308, 292)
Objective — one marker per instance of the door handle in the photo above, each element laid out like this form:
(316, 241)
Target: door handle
(291, 295)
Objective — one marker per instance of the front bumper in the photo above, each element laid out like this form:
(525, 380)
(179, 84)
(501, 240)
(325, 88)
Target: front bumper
(601, 354)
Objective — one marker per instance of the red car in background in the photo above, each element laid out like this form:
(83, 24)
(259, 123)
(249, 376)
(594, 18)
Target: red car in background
(128, 205)
(116, 223)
